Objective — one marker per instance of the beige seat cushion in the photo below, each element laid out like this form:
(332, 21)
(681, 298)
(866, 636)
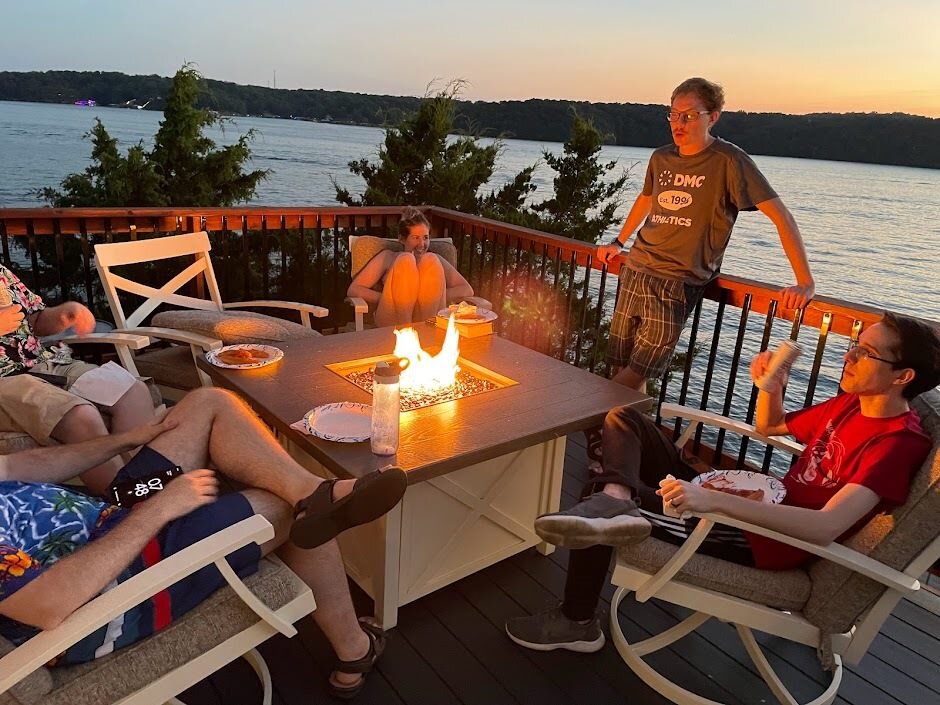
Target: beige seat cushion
(171, 367)
(364, 247)
(784, 589)
(839, 595)
(223, 615)
(234, 327)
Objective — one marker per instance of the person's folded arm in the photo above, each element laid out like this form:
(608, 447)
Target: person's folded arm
(369, 276)
(819, 526)
(63, 462)
(71, 582)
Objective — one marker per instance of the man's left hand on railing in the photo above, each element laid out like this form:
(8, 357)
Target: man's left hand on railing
(606, 253)
(797, 296)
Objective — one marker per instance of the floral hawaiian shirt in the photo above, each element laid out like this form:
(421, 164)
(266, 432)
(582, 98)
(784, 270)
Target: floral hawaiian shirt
(21, 349)
(40, 524)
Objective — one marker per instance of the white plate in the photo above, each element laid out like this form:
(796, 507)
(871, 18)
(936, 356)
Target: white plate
(486, 316)
(274, 354)
(774, 491)
(343, 422)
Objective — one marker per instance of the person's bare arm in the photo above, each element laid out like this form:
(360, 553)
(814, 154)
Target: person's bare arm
(638, 212)
(769, 416)
(60, 463)
(457, 286)
(799, 295)
(69, 584)
(55, 319)
(369, 276)
(819, 526)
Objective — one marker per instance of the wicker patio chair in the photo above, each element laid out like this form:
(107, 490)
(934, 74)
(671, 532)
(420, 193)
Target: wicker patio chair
(229, 625)
(837, 603)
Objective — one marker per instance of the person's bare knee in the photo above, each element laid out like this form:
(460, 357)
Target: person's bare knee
(276, 511)
(80, 423)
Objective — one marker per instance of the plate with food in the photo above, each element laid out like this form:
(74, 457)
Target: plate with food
(468, 313)
(744, 483)
(244, 357)
(342, 422)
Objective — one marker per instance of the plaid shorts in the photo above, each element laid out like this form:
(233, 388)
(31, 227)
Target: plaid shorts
(648, 320)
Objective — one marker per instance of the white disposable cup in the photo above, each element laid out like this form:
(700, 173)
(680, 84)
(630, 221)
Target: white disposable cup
(780, 363)
(668, 509)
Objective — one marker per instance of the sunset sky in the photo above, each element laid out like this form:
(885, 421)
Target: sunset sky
(797, 56)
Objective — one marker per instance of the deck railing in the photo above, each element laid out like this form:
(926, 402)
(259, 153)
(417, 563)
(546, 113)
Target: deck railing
(550, 291)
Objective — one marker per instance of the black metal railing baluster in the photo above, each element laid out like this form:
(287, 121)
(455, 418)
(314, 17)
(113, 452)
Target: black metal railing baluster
(752, 402)
(5, 242)
(86, 266)
(572, 265)
(33, 256)
(246, 259)
(818, 358)
(60, 261)
(265, 255)
(687, 371)
(733, 372)
(599, 317)
(584, 312)
(710, 368)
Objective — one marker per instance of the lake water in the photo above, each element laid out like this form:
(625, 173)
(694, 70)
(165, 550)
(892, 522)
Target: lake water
(872, 232)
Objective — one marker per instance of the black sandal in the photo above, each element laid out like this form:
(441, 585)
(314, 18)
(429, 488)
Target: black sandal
(364, 665)
(323, 519)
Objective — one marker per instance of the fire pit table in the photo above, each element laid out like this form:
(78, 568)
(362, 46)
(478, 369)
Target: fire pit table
(480, 468)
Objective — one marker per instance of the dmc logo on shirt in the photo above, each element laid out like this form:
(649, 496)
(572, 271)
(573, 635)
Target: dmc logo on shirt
(674, 200)
(688, 180)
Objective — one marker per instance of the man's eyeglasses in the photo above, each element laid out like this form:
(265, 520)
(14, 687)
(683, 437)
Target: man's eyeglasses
(688, 116)
(860, 353)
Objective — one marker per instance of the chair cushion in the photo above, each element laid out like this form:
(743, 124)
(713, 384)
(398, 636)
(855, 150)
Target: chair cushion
(784, 589)
(840, 595)
(223, 615)
(364, 247)
(233, 327)
(29, 690)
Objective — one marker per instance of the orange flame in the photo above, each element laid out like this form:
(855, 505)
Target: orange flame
(426, 372)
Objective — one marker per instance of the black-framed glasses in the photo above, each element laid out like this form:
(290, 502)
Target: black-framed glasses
(860, 353)
(687, 116)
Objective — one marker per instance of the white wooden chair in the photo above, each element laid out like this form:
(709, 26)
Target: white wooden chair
(229, 625)
(837, 604)
(362, 248)
(205, 324)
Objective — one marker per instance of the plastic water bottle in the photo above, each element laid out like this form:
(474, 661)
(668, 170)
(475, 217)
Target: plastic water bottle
(385, 409)
(780, 363)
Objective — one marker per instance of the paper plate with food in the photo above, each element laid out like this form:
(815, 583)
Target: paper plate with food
(467, 313)
(744, 483)
(244, 357)
(342, 422)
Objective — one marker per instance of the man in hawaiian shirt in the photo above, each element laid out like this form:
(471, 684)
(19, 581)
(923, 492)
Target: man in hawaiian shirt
(44, 411)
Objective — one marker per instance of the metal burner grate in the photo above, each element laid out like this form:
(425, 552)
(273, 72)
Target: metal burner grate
(472, 379)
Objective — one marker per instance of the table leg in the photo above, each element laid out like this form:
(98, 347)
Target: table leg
(551, 487)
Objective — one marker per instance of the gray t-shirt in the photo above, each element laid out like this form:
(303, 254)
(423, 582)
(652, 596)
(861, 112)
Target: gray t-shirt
(696, 200)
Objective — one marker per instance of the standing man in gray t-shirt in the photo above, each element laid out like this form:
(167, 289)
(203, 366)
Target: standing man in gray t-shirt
(693, 192)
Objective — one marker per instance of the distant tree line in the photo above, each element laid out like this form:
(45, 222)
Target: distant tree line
(896, 138)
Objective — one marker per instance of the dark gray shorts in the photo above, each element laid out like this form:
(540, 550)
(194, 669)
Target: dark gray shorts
(648, 320)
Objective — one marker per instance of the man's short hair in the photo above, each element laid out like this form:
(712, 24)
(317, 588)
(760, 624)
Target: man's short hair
(917, 347)
(711, 94)
(410, 216)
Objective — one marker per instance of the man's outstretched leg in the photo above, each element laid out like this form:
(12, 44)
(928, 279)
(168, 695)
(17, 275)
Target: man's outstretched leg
(214, 427)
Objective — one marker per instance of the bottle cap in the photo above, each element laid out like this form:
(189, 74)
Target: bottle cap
(386, 373)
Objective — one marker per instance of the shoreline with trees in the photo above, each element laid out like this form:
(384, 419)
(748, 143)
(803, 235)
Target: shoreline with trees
(892, 139)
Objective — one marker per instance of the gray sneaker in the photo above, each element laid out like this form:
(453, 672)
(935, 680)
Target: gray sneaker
(550, 630)
(598, 520)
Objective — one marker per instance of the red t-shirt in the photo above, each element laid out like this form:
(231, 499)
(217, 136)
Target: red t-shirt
(844, 447)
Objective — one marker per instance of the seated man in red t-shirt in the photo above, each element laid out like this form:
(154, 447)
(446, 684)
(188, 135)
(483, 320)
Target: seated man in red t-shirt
(862, 448)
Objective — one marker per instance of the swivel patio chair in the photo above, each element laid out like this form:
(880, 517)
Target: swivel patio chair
(204, 324)
(229, 625)
(837, 603)
(363, 248)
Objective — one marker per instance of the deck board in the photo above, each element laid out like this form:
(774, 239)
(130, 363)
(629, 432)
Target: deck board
(450, 647)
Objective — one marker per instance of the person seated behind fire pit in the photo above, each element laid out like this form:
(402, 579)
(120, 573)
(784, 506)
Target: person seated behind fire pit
(40, 409)
(60, 548)
(415, 284)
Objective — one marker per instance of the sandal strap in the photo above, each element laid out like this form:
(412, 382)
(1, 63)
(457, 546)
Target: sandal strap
(320, 499)
(363, 665)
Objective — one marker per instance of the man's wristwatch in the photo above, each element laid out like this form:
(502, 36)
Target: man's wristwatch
(619, 244)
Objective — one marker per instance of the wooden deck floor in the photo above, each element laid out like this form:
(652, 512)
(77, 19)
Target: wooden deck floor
(450, 648)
